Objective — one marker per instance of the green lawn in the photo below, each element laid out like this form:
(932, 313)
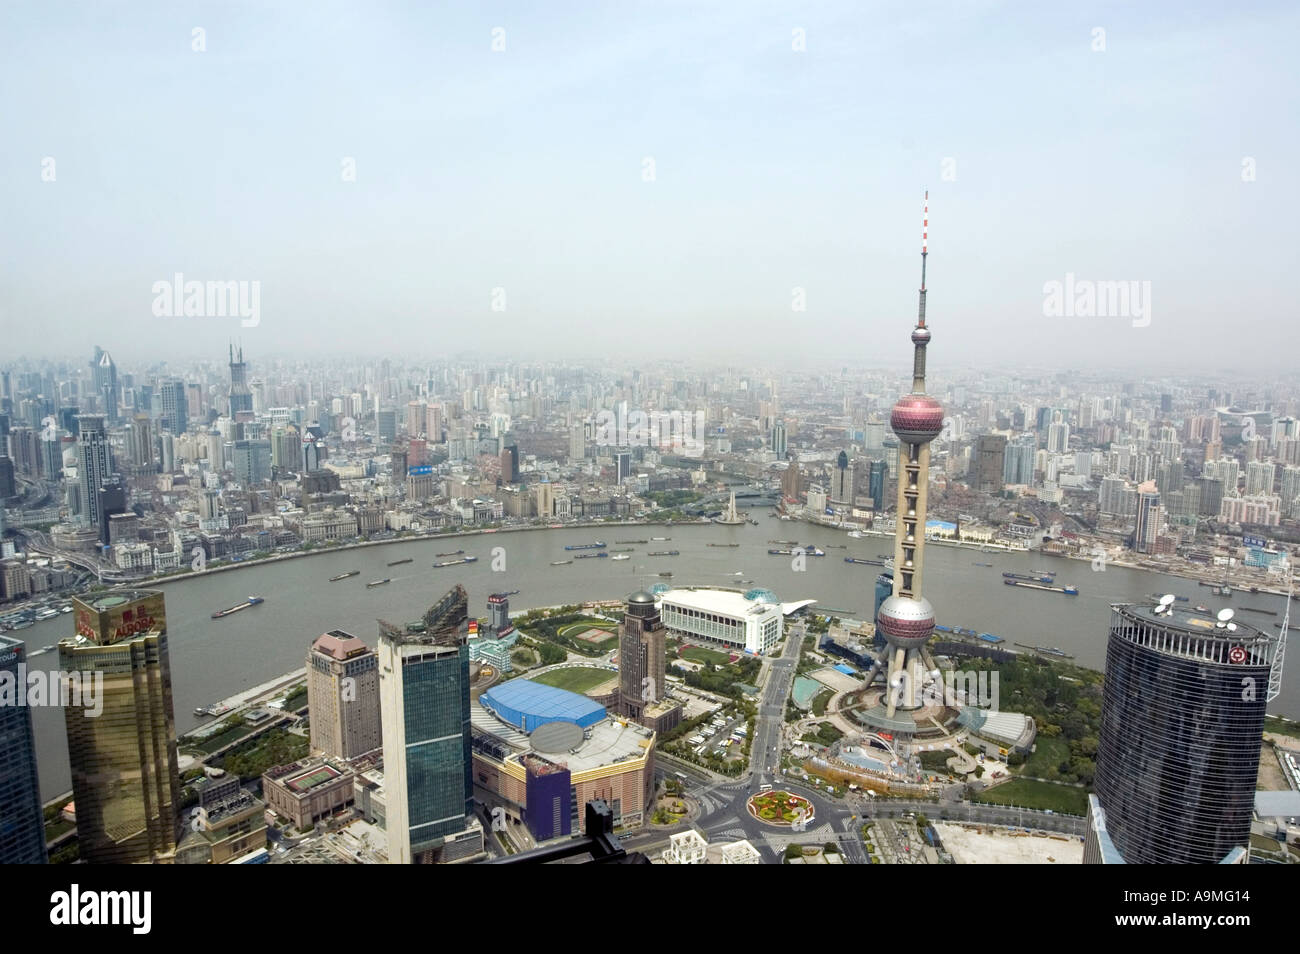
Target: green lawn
(819, 702)
(1028, 793)
(701, 655)
(1048, 753)
(576, 678)
(213, 742)
(587, 622)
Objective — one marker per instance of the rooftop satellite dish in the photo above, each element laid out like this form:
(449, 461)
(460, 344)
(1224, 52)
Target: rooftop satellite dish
(1167, 599)
(1225, 614)
(1232, 627)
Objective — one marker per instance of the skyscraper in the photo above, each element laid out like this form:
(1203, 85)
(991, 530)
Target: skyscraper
(791, 481)
(141, 443)
(778, 438)
(386, 424)
(252, 462)
(641, 656)
(424, 698)
(105, 378)
(175, 407)
(241, 397)
(1147, 526)
(94, 465)
(1018, 461)
(22, 825)
(1058, 436)
(343, 696)
(990, 462)
(1178, 755)
(906, 619)
(877, 480)
(125, 780)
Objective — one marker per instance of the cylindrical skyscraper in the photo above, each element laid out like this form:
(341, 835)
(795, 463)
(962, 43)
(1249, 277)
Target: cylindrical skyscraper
(1181, 720)
(906, 619)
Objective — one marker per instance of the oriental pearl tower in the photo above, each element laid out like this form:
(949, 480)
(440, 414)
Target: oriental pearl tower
(906, 618)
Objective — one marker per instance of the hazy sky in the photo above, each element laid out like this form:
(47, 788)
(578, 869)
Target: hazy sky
(773, 169)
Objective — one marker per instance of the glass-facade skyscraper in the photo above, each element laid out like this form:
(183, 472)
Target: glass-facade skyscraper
(122, 742)
(424, 700)
(22, 826)
(1181, 720)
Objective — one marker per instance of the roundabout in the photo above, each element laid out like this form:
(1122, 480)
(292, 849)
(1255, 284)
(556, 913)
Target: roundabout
(780, 808)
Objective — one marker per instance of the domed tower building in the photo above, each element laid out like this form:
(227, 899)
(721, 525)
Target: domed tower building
(642, 649)
(906, 619)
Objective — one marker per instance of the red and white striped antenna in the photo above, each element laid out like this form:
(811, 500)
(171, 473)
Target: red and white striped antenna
(925, 223)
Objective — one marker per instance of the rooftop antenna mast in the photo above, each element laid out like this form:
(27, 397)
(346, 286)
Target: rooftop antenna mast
(1275, 671)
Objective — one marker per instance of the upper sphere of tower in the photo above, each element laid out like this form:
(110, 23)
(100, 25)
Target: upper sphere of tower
(920, 335)
(917, 418)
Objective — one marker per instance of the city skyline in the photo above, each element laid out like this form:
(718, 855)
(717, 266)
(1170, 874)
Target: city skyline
(476, 435)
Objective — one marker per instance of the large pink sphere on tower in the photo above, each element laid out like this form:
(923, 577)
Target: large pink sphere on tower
(905, 621)
(917, 418)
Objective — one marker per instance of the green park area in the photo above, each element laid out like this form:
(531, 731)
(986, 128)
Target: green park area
(598, 633)
(1028, 793)
(699, 654)
(575, 678)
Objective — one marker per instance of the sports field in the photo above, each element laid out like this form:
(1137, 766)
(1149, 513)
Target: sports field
(575, 678)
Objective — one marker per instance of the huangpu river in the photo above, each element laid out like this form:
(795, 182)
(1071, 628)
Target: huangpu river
(214, 659)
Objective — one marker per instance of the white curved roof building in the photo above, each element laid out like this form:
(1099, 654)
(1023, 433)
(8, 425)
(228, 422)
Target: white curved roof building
(750, 621)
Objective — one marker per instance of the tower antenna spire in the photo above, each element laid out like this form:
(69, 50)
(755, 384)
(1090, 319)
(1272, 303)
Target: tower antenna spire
(925, 240)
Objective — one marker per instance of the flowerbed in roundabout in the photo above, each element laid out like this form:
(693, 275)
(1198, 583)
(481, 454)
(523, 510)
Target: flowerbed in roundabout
(779, 808)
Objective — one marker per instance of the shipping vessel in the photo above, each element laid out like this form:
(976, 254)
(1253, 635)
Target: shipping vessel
(251, 601)
(1044, 578)
(864, 562)
(215, 709)
(344, 576)
(462, 562)
(585, 546)
(591, 556)
(663, 553)
(560, 562)
(1047, 650)
(1067, 590)
(453, 553)
(399, 562)
(380, 582)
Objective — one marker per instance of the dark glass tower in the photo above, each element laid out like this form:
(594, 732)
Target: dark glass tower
(424, 701)
(22, 827)
(1181, 721)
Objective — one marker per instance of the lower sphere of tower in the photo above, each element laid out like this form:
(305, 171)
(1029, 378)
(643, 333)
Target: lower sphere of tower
(906, 622)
